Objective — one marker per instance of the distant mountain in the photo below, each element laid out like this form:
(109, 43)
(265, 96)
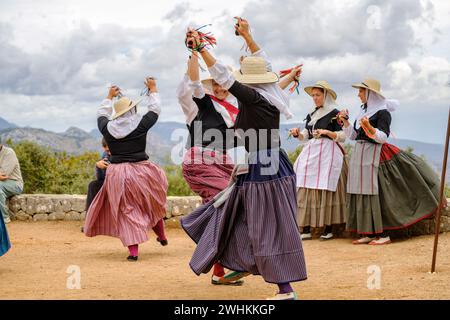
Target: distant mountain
(5, 124)
(165, 136)
(74, 140)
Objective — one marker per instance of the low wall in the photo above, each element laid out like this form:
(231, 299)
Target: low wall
(50, 207)
(53, 207)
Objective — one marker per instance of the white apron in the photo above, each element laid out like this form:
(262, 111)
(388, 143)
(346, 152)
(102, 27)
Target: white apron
(319, 165)
(363, 169)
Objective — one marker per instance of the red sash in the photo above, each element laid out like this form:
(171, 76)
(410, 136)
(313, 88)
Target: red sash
(232, 110)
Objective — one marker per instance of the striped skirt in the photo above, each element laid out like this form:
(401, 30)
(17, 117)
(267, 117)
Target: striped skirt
(255, 229)
(408, 191)
(5, 245)
(318, 208)
(132, 201)
(207, 172)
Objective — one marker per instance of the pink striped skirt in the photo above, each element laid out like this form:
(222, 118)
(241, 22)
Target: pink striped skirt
(132, 201)
(207, 172)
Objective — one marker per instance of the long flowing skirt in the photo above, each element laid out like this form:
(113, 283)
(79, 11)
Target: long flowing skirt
(255, 229)
(132, 201)
(207, 172)
(408, 193)
(319, 208)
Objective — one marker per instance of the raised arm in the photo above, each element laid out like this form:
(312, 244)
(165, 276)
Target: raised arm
(243, 29)
(152, 100)
(105, 110)
(184, 96)
(194, 75)
(292, 76)
(153, 103)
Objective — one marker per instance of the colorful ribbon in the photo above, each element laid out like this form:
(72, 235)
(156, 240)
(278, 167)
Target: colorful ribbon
(296, 84)
(206, 40)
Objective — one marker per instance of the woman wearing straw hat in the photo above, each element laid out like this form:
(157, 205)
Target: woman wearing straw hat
(251, 226)
(206, 166)
(388, 188)
(321, 167)
(133, 197)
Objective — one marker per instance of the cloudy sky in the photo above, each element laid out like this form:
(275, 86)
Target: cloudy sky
(57, 58)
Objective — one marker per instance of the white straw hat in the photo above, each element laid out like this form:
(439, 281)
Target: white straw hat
(122, 106)
(253, 71)
(323, 85)
(370, 84)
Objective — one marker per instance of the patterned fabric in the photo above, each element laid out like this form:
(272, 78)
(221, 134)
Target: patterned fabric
(318, 208)
(207, 172)
(409, 192)
(319, 165)
(363, 171)
(131, 201)
(255, 229)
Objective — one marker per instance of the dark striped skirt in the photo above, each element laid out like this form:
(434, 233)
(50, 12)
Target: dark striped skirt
(408, 193)
(255, 229)
(4, 239)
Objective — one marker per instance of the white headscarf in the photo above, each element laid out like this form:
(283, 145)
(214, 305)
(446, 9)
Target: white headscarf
(277, 97)
(121, 127)
(329, 104)
(376, 103)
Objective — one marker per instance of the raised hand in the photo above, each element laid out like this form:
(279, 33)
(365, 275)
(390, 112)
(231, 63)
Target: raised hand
(114, 91)
(150, 83)
(242, 28)
(192, 39)
(296, 72)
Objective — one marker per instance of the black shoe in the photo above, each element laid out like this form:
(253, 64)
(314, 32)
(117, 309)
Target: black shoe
(163, 242)
(82, 229)
(132, 258)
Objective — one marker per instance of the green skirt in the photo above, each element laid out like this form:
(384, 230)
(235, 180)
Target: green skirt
(408, 193)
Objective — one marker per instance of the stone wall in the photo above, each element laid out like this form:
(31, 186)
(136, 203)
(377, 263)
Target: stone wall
(45, 207)
(50, 207)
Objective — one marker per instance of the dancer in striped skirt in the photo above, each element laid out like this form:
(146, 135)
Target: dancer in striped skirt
(388, 188)
(206, 166)
(251, 226)
(321, 167)
(133, 197)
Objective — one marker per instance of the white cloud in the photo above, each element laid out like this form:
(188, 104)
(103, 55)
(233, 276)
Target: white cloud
(58, 58)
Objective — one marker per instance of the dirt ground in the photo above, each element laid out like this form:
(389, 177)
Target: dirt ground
(36, 268)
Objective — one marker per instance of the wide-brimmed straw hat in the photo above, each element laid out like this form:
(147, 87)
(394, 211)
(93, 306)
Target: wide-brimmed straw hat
(370, 84)
(322, 84)
(253, 71)
(122, 106)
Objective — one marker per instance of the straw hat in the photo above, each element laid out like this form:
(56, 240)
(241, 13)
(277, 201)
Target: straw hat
(322, 84)
(122, 106)
(370, 84)
(253, 71)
